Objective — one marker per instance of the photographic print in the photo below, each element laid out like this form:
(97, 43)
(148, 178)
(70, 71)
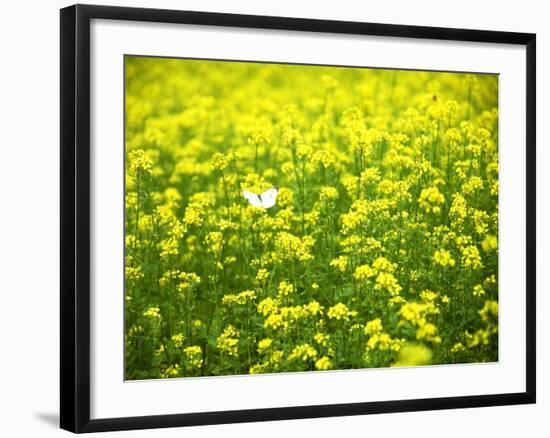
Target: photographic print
(287, 218)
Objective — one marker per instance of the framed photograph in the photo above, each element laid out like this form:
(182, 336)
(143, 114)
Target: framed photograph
(268, 218)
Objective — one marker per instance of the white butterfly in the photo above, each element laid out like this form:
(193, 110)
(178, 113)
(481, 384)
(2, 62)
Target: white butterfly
(266, 200)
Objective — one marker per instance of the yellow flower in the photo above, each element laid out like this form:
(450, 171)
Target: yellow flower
(364, 272)
(489, 312)
(413, 355)
(340, 263)
(275, 321)
(285, 289)
(431, 199)
(443, 258)
(382, 264)
(171, 372)
(351, 183)
(323, 363)
(340, 312)
(328, 194)
(240, 298)
(457, 348)
(264, 345)
(140, 161)
(490, 243)
(276, 357)
(428, 296)
(133, 273)
(453, 135)
(321, 338)
(303, 352)
(478, 290)
(228, 341)
(313, 308)
(386, 281)
(178, 339)
(373, 327)
(197, 209)
(458, 210)
(383, 341)
(428, 331)
(168, 247)
(214, 241)
(370, 176)
(262, 276)
(397, 299)
(194, 356)
(285, 197)
(471, 258)
(290, 247)
(268, 306)
(256, 369)
(416, 313)
(152, 312)
(474, 184)
(187, 281)
(219, 161)
(303, 151)
(490, 281)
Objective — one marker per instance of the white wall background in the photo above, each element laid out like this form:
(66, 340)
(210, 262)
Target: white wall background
(29, 186)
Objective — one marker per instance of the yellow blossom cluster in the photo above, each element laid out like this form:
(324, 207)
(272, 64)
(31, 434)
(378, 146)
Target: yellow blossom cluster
(228, 341)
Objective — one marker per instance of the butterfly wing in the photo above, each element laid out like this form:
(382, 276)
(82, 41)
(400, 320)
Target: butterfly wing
(269, 197)
(253, 198)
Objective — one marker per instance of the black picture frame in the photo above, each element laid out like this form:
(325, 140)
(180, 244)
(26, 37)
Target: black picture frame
(75, 217)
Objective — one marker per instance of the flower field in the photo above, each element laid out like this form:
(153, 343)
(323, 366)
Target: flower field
(381, 249)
